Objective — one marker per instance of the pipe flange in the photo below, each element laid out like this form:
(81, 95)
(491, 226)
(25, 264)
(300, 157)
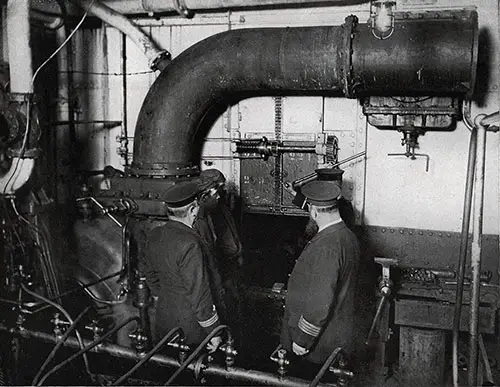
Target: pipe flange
(199, 366)
(161, 170)
(346, 55)
(161, 61)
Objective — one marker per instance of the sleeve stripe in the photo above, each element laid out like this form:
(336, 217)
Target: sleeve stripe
(306, 327)
(212, 320)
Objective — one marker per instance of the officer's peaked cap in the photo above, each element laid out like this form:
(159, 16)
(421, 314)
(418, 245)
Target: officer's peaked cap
(181, 194)
(210, 178)
(321, 193)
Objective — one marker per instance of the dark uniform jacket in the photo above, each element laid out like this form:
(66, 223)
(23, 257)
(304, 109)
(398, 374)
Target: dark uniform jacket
(217, 227)
(177, 271)
(319, 310)
(204, 227)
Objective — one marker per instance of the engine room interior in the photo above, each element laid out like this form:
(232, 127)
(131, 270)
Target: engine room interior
(248, 192)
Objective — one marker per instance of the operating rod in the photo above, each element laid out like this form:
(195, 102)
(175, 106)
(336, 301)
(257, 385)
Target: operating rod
(303, 180)
(254, 377)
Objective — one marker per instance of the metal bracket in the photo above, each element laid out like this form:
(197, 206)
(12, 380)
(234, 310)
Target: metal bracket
(182, 9)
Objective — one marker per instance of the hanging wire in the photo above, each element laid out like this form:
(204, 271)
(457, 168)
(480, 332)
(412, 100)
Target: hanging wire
(28, 102)
(52, 285)
(106, 73)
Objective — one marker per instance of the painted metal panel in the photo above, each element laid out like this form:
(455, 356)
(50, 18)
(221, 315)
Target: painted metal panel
(256, 115)
(302, 114)
(434, 315)
(426, 248)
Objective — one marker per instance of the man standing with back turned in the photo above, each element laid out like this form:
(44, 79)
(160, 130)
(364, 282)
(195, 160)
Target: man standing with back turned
(177, 269)
(319, 308)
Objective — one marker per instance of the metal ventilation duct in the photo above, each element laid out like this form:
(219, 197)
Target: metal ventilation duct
(424, 56)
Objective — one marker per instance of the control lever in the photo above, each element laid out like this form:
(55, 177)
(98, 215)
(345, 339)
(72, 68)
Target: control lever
(385, 288)
(410, 141)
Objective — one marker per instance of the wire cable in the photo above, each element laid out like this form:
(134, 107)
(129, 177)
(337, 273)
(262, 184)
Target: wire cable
(63, 43)
(148, 356)
(52, 284)
(68, 317)
(107, 73)
(83, 287)
(58, 345)
(88, 348)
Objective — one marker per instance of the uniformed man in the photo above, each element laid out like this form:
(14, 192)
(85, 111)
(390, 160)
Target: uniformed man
(216, 225)
(177, 270)
(319, 307)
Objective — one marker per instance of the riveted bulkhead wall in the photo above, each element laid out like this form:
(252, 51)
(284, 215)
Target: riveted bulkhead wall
(385, 190)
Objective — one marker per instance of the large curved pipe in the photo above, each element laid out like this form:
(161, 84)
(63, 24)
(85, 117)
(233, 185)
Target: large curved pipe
(421, 57)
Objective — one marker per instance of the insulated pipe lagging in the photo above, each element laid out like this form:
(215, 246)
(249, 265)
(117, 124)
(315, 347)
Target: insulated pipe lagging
(158, 58)
(18, 41)
(149, 6)
(422, 57)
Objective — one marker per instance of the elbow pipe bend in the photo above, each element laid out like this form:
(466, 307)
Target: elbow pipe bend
(199, 84)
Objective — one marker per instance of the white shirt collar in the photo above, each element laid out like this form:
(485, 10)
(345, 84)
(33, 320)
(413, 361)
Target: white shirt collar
(329, 224)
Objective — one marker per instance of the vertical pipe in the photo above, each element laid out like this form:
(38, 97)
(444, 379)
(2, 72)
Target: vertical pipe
(124, 131)
(464, 241)
(476, 250)
(62, 113)
(18, 36)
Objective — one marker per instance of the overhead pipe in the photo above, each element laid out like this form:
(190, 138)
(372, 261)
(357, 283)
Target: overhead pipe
(157, 57)
(48, 21)
(236, 374)
(129, 7)
(344, 60)
(21, 89)
(18, 41)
